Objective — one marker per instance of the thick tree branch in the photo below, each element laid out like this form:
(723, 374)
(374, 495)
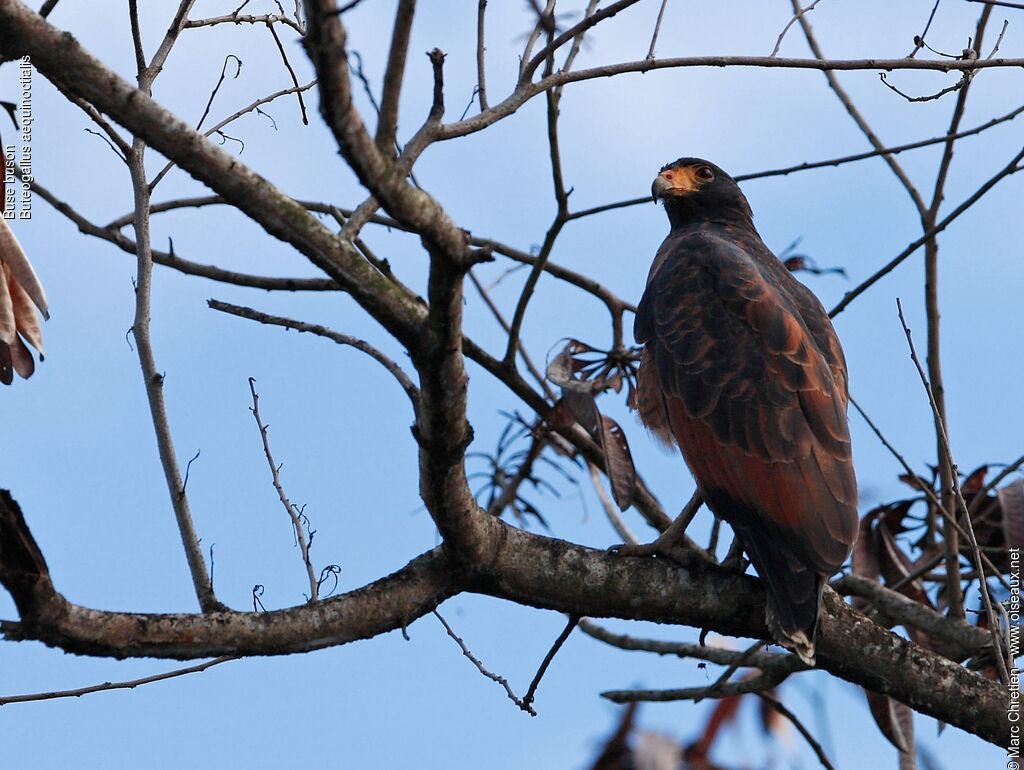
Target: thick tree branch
(384, 178)
(525, 568)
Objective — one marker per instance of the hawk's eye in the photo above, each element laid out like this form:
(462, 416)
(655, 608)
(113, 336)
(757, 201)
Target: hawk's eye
(705, 173)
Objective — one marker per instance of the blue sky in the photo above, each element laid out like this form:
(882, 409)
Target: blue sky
(86, 472)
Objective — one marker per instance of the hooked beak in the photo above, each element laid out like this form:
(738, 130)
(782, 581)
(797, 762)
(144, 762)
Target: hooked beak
(660, 187)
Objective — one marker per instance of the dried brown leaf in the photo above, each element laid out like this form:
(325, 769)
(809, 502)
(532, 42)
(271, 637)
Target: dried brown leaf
(894, 719)
(1011, 502)
(578, 400)
(975, 481)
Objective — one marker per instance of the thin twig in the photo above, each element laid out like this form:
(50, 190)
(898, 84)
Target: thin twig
(254, 106)
(855, 113)
(291, 73)
(481, 70)
(322, 331)
(170, 38)
(808, 166)
(767, 680)
(800, 12)
(731, 669)
(219, 83)
(929, 493)
(553, 98)
(1011, 168)
(265, 18)
(657, 29)
(531, 691)
(127, 685)
(289, 506)
(818, 750)
(152, 378)
(117, 142)
(111, 234)
(545, 18)
(919, 40)
(718, 655)
(520, 702)
(485, 295)
(140, 54)
(959, 498)
(999, 40)
(947, 473)
(573, 33)
(958, 85)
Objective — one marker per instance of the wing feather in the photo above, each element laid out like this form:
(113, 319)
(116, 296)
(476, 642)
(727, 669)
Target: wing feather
(753, 387)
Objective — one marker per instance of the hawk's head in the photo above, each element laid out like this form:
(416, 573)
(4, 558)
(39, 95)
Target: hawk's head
(693, 188)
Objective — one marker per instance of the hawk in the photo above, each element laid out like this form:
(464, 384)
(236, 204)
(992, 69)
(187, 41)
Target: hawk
(742, 369)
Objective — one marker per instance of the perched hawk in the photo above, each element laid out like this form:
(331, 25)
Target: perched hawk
(742, 369)
(20, 295)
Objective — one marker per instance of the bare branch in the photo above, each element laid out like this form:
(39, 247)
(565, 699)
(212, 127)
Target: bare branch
(854, 113)
(573, 33)
(265, 18)
(1010, 168)
(156, 65)
(481, 69)
(657, 29)
(796, 16)
(520, 702)
(117, 142)
(500, 318)
(1003, 3)
(526, 91)
(717, 655)
(387, 123)
(531, 691)
(526, 568)
(937, 391)
(919, 40)
(168, 259)
(815, 746)
(235, 116)
(131, 684)
(293, 512)
(291, 73)
(154, 381)
(322, 331)
(959, 499)
(955, 638)
(832, 162)
(760, 683)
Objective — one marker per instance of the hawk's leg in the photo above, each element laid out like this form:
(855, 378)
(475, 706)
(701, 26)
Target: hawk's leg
(734, 558)
(669, 540)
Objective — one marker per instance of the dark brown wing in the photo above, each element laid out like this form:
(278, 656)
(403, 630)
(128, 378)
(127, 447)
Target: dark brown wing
(815, 317)
(750, 396)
